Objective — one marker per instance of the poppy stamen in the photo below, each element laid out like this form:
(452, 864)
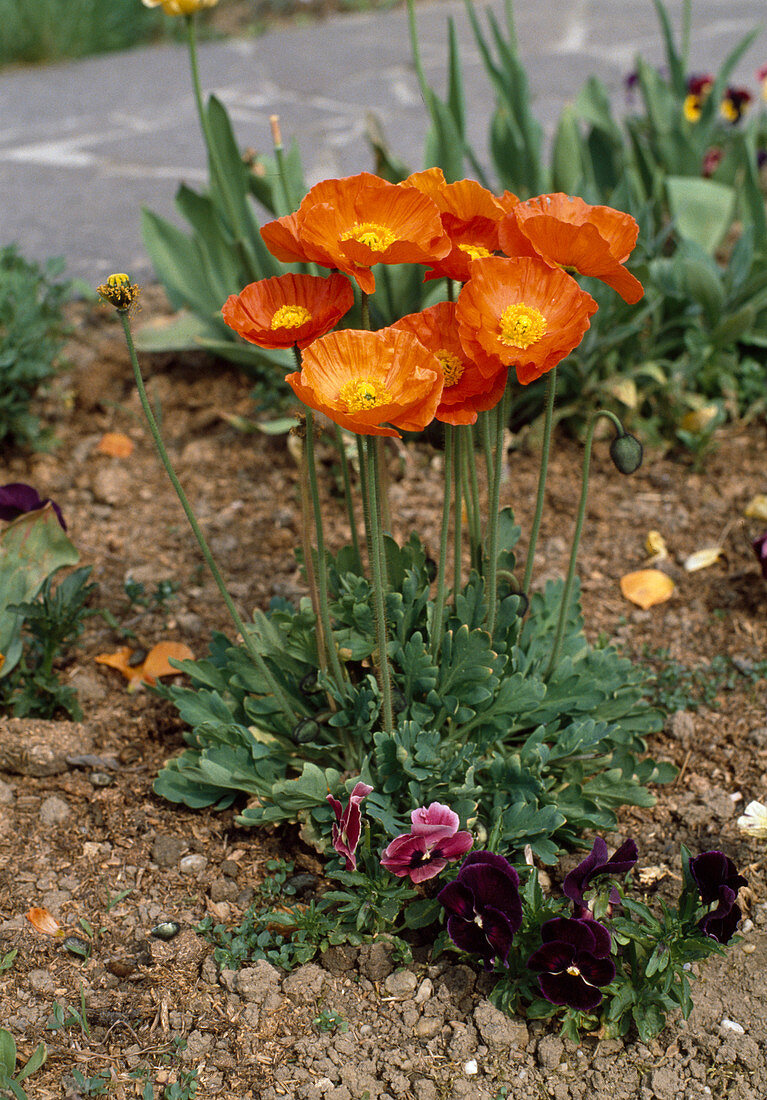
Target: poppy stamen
(362, 394)
(475, 251)
(522, 326)
(292, 316)
(374, 236)
(452, 367)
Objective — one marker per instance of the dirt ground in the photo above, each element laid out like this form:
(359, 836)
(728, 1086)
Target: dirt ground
(117, 860)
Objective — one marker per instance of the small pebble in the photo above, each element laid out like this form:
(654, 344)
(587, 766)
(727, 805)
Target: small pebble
(731, 1025)
(166, 930)
(192, 864)
(747, 926)
(470, 1068)
(101, 779)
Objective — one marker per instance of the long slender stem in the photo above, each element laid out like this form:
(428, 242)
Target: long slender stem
(378, 564)
(191, 27)
(365, 493)
(457, 516)
(493, 510)
(322, 570)
(306, 542)
(288, 710)
(348, 498)
(564, 607)
(551, 389)
(483, 423)
(439, 600)
(472, 493)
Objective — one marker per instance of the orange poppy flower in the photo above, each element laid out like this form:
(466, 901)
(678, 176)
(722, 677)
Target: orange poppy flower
(466, 391)
(470, 216)
(595, 240)
(367, 380)
(288, 309)
(521, 312)
(354, 223)
(283, 235)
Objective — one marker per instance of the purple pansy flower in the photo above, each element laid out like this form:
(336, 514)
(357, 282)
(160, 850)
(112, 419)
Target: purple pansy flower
(760, 549)
(431, 844)
(595, 865)
(574, 962)
(348, 826)
(717, 880)
(484, 907)
(16, 499)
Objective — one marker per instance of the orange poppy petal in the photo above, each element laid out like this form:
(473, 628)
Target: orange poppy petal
(288, 310)
(544, 295)
(43, 921)
(157, 660)
(119, 660)
(367, 380)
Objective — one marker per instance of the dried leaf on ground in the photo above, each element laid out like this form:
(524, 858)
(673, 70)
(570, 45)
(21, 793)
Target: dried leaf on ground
(115, 444)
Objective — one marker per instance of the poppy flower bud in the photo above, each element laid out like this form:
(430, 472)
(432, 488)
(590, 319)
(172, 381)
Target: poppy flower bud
(626, 453)
(120, 292)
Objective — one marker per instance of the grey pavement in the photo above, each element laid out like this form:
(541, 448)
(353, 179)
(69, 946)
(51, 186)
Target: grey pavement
(84, 145)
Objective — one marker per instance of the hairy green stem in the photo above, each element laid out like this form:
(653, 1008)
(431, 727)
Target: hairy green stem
(348, 498)
(439, 599)
(457, 516)
(471, 489)
(564, 607)
(551, 390)
(322, 569)
(493, 510)
(378, 565)
(280, 698)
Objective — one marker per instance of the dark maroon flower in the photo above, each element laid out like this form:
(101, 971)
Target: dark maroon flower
(760, 549)
(484, 906)
(718, 881)
(734, 104)
(574, 962)
(16, 499)
(431, 844)
(346, 831)
(595, 865)
(699, 84)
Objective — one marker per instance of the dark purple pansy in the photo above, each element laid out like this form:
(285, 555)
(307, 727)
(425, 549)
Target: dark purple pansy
(348, 826)
(484, 907)
(432, 843)
(718, 881)
(760, 549)
(16, 499)
(595, 865)
(735, 103)
(574, 962)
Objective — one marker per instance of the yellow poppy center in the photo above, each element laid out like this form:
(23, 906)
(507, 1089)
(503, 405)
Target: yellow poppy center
(290, 317)
(522, 326)
(374, 236)
(475, 251)
(361, 394)
(452, 367)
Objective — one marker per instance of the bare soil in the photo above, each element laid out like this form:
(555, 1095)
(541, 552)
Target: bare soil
(116, 856)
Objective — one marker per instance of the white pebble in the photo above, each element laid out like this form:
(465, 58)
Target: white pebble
(471, 1068)
(747, 926)
(730, 1025)
(522, 1074)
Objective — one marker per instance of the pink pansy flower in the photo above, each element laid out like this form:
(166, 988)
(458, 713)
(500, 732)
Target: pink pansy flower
(346, 831)
(433, 842)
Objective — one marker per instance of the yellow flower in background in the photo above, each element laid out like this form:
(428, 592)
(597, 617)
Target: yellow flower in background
(180, 7)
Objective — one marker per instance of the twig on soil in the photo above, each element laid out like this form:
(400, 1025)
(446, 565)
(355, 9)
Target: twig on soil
(683, 768)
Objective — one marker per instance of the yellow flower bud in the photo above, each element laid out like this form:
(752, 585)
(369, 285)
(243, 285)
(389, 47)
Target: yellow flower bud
(180, 7)
(119, 291)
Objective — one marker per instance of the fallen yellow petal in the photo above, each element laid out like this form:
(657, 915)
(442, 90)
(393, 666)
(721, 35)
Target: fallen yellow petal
(757, 508)
(119, 660)
(655, 545)
(701, 559)
(646, 587)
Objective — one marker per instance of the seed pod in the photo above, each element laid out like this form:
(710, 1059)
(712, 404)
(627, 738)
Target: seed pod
(626, 453)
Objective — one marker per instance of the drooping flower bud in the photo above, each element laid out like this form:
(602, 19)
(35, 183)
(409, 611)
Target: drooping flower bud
(626, 453)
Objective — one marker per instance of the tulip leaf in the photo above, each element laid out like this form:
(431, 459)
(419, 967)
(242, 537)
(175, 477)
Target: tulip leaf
(702, 209)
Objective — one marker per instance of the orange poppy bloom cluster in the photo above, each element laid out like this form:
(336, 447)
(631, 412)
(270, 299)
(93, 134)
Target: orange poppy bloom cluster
(518, 305)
